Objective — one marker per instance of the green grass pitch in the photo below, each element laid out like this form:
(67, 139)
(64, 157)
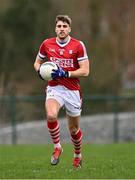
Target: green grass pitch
(100, 161)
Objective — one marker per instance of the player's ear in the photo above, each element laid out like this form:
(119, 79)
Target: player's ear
(70, 29)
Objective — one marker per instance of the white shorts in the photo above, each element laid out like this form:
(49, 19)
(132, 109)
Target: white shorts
(70, 99)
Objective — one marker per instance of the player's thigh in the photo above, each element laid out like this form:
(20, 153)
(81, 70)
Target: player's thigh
(73, 123)
(73, 104)
(52, 108)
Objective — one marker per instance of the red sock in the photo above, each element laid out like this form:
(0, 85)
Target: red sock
(77, 141)
(54, 131)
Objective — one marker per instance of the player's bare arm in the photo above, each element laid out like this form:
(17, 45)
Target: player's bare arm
(37, 64)
(82, 71)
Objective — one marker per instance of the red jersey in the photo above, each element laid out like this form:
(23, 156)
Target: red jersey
(66, 56)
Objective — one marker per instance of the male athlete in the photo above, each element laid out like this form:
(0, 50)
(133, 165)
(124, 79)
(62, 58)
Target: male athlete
(64, 89)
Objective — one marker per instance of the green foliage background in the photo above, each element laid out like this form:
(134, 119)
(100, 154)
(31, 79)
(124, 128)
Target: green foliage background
(105, 26)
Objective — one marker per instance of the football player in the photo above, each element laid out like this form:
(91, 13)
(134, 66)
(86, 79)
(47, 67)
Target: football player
(64, 89)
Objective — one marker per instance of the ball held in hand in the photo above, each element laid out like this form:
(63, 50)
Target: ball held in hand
(46, 70)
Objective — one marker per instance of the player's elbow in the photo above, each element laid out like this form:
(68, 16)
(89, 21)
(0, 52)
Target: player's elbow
(34, 65)
(37, 65)
(85, 68)
(86, 73)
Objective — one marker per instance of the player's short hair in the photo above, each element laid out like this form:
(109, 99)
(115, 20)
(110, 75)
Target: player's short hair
(64, 18)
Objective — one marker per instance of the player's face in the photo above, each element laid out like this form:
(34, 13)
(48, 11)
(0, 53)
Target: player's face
(62, 29)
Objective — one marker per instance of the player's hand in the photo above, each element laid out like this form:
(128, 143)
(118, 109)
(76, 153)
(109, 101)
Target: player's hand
(59, 73)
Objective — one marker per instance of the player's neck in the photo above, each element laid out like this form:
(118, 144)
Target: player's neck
(63, 41)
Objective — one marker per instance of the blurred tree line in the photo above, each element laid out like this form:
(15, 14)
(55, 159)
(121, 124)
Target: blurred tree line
(24, 25)
(106, 27)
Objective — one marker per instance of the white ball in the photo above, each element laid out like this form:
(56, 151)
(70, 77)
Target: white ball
(46, 70)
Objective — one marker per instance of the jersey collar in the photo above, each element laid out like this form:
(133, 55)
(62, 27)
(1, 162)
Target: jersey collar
(62, 45)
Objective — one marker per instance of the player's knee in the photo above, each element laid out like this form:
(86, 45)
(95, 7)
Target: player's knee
(52, 116)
